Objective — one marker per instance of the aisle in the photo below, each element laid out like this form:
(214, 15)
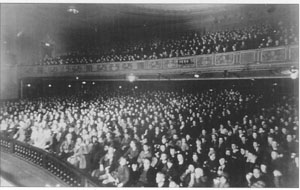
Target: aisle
(17, 172)
(5, 183)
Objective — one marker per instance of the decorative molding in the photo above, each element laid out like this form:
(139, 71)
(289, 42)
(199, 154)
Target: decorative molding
(271, 57)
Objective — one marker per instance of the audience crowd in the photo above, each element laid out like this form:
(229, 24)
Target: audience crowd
(221, 138)
(190, 44)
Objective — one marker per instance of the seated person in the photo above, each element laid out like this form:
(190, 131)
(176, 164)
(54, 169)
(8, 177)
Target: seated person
(221, 181)
(198, 179)
(145, 153)
(107, 163)
(78, 158)
(147, 175)
(255, 179)
(161, 180)
(67, 147)
(133, 152)
(119, 177)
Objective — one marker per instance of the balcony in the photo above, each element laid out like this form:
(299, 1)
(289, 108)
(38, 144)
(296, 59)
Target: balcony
(267, 62)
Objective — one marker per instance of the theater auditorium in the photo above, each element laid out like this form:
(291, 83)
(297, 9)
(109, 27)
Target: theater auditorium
(149, 95)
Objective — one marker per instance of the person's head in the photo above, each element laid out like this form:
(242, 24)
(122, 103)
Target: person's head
(69, 137)
(233, 146)
(71, 129)
(173, 184)
(195, 157)
(222, 161)
(194, 123)
(243, 138)
(123, 161)
(94, 139)
(134, 166)
(203, 132)
(263, 168)
(163, 156)
(133, 144)
(108, 135)
(274, 144)
(270, 139)
(256, 173)
(229, 133)
(289, 138)
(84, 131)
(164, 139)
(150, 126)
(251, 156)
(172, 151)
(283, 130)
(242, 151)
(255, 144)
(169, 163)
(199, 172)
(191, 168)
(160, 178)
(180, 157)
(212, 156)
(157, 130)
(79, 140)
(213, 137)
(227, 152)
(146, 163)
(111, 149)
(146, 147)
(254, 135)
(274, 155)
(188, 137)
(175, 137)
(221, 140)
(211, 150)
(162, 148)
(223, 179)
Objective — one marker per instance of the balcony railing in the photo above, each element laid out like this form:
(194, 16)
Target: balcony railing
(266, 57)
(63, 170)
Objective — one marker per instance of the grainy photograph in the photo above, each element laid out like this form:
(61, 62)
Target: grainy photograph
(149, 95)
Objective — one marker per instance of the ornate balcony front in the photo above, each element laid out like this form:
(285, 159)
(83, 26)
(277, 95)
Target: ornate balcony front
(272, 59)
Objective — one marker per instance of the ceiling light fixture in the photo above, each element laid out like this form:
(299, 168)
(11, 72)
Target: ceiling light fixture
(294, 75)
(131, 78)
(294, 72)
(73, 10)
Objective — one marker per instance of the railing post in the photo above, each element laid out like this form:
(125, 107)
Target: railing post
(83, 182)
(286, 53)
(257, 56)
(12, 146)
(44, 160)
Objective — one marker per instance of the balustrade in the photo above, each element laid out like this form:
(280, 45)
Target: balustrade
(63, 170)
(259, 57)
